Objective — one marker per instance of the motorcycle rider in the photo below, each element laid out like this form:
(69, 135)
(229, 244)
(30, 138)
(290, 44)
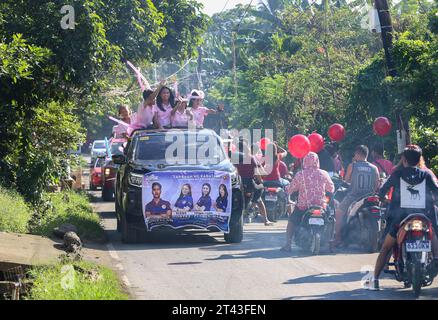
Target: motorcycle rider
(384, 166)
(251, 172)
(312, 183)
(409, 175)
(363, 178)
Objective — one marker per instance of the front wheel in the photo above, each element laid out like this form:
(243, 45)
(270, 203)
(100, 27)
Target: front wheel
(107, 194)
(236, 232)
(372, 243)
(316, 244)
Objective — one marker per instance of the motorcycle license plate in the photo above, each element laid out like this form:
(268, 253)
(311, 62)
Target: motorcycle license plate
(316, 221)
(270, 197)
(418, 246)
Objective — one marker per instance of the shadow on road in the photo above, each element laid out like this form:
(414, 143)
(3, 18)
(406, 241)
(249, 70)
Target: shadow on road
(363, 294)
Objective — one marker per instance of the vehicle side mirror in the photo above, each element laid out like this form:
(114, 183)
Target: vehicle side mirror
(119, 159)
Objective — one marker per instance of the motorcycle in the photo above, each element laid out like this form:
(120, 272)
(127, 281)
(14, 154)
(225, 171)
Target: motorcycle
(364, 224)
(413, 259)
(275, 199)
(317, 228)
(249, 212)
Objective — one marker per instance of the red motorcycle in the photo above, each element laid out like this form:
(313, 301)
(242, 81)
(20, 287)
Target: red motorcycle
(413, 259)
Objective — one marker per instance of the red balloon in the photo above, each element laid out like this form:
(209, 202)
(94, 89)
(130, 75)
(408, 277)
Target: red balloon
(264, 142)
(336, 132)
(299, 146)
(382, 126)
(316, 142)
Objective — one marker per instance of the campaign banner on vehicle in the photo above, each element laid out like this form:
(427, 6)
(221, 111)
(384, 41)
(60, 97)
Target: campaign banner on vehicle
(178, 199)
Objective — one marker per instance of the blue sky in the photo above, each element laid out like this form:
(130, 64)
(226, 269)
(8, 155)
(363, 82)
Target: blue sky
(214, 6)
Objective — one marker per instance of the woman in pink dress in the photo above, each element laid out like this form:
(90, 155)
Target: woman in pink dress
(163, 108)
(198, 110)
(180, 115)
(146, 109)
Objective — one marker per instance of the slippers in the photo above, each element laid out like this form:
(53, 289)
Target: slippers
(269, 223)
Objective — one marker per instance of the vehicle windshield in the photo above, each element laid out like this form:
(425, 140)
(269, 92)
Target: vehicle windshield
(115, 148)
(99, 162)
(99, 145)
(179, 148)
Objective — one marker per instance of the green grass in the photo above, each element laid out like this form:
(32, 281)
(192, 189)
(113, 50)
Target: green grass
(71, 207)
(14, 213)
(68, 281)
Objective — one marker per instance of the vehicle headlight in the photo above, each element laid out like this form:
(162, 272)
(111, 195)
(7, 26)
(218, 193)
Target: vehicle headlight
(135, 180)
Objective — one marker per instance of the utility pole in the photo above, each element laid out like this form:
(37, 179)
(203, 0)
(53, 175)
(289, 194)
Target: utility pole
(387, 30)
(386, 26)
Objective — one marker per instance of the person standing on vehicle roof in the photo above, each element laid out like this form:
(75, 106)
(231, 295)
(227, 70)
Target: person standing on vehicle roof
(311, 183)
(120, 131)
(251, 172)
(407, 178)
(146, 110)
(363, 178)
(164, 107)
(181, 116)
(198, 110)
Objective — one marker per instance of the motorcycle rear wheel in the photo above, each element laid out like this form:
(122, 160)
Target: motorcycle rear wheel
(416, 278)
(316, 244)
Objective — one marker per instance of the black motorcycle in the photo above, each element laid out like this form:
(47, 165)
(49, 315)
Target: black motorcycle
(275, 199)
(364, 224)
(316, 229)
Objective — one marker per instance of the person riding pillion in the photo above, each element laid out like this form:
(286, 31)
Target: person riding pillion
(407, 182)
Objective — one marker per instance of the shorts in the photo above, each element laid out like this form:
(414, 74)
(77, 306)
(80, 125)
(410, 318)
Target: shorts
(397, 217)
(248, 186)
(297, 216)
(347, 202)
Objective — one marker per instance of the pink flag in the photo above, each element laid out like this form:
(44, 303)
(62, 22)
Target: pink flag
(142, 82)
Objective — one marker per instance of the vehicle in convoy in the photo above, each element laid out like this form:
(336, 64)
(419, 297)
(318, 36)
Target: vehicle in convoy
(96, 174)
(317, 229)
(275, 199)
(364, 223)
(109, 169)
(146, 160)
(98, 149)
(413, 258)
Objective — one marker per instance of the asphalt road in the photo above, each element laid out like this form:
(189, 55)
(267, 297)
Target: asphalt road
(203, 266)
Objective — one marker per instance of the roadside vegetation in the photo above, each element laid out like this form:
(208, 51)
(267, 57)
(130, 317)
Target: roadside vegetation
(74, 281)
(73, 208)
(62, 207)
(15, 214)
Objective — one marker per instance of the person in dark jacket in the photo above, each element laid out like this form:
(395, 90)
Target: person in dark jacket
(326, 161)
(414, 191)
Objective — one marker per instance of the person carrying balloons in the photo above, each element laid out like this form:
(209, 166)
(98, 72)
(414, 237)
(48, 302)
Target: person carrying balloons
(384, 166)
(311, 183)
(198, 110)
(363, 178)
(273, 178)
